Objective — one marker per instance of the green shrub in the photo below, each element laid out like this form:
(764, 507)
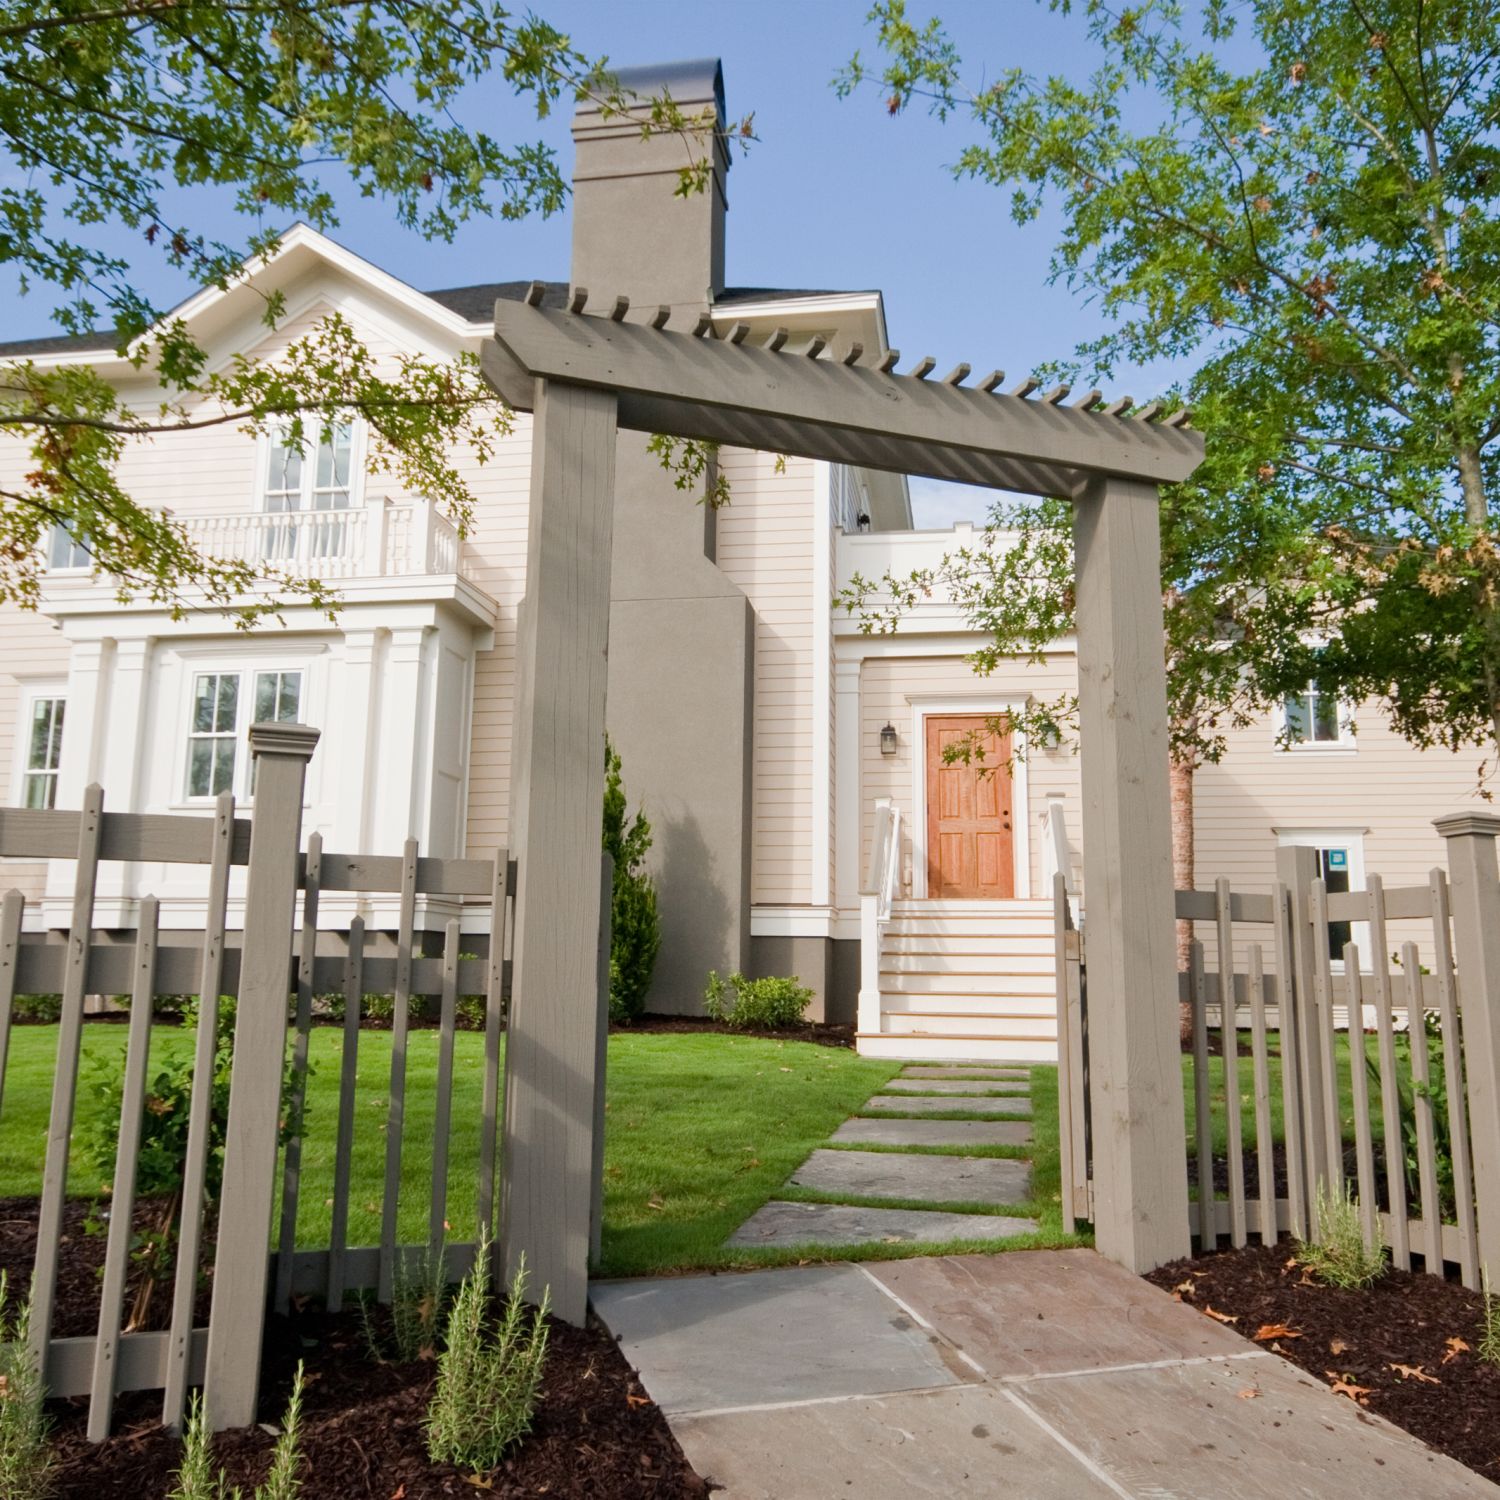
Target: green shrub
(1489, 1325)
(419, 1303)
(200, 1478)
(489, 1373)
(36, 1007)
(635, 923)
(769, 1004)
(1341, 1256)
(26, 1462)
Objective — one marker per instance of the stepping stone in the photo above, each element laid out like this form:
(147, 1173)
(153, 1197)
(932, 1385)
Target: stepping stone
(947, 1104)
(946, 1086)
(841, 1224)
(930, 1179)
(934, 1133)
(961, 1070)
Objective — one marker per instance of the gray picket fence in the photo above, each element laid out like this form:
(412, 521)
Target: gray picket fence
(1371, 1070)
(274, 966)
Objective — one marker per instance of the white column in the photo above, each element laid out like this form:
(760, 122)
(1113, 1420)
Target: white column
(821, 883)
(120, 752)
(398, 757)
(353, 743)
(846, 762)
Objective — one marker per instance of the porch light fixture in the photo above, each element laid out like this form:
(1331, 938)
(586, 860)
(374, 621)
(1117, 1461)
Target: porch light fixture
(888, 740)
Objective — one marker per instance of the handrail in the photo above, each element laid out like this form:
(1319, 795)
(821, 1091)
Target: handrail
(876, 896)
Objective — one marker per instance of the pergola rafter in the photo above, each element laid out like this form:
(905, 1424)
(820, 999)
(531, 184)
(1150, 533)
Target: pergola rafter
(691, 384)
(585, 377)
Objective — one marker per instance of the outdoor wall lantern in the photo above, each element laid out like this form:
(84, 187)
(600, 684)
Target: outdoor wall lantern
(888, 740)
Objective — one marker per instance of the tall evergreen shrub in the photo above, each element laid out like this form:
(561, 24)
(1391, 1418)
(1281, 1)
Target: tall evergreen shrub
(635, 926)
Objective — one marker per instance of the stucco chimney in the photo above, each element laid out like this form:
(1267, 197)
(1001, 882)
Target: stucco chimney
(633, 231)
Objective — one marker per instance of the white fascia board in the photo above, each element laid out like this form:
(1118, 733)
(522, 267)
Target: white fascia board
(301, 243)
(803, 308)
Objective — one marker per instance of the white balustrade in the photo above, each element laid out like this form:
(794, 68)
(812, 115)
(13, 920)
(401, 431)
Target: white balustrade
(875, 898)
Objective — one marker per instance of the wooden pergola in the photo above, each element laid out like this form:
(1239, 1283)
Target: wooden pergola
(585, 376)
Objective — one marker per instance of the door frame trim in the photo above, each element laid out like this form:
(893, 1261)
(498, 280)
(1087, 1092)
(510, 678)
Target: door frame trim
(941, 705)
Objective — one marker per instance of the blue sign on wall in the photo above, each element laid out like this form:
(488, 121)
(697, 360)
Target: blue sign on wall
(1338, 859)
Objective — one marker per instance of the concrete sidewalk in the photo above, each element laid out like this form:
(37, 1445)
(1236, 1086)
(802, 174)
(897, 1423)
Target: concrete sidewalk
(1043, 1375)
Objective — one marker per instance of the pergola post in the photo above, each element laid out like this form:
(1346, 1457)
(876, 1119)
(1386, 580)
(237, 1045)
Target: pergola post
(556, 818)
(1140, 1163)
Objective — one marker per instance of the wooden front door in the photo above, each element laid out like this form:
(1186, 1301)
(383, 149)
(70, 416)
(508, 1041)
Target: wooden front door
(969, 842)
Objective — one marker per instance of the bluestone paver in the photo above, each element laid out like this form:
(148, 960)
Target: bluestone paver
(905, 1085)
(1042, 1314)
(933, 1179)
(934, 1133)
(968, 1441)
(778, 1223)
(1255, 1429)
(965, 1070)
(706, 1342)
(920, 1104)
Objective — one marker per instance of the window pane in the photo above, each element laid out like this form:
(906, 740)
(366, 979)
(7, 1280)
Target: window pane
(265, 696)
(200, 768)
(64, 552)
(1325, 719)
(38, 756)
(1298, 720)
(285, 471)
(59, 706)
(229, 696)
(223, 766)
(204, 691)
(39, 791)
(290, 700)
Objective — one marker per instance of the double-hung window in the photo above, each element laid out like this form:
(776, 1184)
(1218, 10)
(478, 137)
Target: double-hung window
(224, 705)
(65, 553)
(43, 748)
(314, 483)
(1315, 718)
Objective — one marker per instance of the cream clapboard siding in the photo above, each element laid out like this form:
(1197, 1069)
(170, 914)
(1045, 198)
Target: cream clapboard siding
(765, 546)
(887, 687)
(1382, 789)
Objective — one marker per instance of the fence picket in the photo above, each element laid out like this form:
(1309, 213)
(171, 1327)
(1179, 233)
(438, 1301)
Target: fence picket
(200, 1110)
(65, 1079)
(1203, 1130)
(1453, 1071)
(1265, 1157)
(343, 1150)
(1322, 1036)
(122, 1195)
(291, 1172)
(494, 1015)
(437, 1221)
(1359, 1090)
(1432, 1216)
(1390, 1090)
(395, 1119)
(1229, 1049)
(12, 912)
(1065, 1082)
(1292, 1054)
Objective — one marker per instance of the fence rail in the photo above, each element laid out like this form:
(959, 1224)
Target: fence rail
(274, 970)
(1369, 1069)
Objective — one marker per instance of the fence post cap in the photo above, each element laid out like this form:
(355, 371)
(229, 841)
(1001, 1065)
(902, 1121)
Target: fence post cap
(1455, 825)
(283, 739)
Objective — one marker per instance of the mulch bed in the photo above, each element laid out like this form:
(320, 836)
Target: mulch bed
(824, 1035)
(596, 1434)
(1404, 1347)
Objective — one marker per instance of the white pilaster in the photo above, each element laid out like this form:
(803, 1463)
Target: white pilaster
(822, 683)
(846, 763)
(352, 741)
(396, 815)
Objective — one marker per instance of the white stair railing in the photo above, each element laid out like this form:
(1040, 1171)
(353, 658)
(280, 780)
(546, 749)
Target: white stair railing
(1057, 853)
(875, 898)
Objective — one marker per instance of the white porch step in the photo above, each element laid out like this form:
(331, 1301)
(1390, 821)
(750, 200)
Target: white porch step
(1038, 929)
(990, 1003)
(926, 1047)
(968, 986)
(979, 908)
(967, 945)
(902, 967)
(972, 1023)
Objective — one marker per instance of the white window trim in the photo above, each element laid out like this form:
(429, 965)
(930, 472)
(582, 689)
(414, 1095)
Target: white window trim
(924, 706)
(246, 664)
(1353, 840)
(30, 692)
(77, 570)
(1345, 744)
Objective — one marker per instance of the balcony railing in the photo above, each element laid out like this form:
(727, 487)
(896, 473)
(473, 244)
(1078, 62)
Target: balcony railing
(379, 539)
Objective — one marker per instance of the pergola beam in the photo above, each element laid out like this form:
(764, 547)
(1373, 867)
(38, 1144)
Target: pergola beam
(754, 397)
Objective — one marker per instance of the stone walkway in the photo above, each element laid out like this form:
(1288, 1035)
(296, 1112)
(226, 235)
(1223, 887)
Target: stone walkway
(915, 1144)
(1049, 1375)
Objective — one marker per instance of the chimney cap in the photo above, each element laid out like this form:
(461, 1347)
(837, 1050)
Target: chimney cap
(693, 81)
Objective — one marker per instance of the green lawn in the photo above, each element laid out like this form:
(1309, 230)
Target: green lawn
(701, 1130)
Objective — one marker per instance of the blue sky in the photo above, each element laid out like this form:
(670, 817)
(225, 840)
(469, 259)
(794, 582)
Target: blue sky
(834, 193)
